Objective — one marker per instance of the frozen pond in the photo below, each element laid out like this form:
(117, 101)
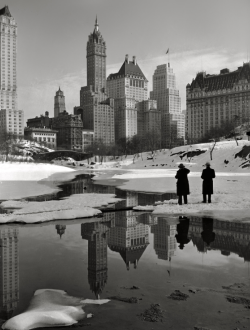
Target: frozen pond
(108, 256)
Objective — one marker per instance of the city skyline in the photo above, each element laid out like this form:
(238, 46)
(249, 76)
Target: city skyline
(49, 57)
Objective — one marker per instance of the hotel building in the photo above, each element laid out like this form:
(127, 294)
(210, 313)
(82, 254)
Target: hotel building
(127, 87)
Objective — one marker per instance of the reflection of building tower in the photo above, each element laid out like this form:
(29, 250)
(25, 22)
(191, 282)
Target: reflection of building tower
(130, 198)
(97, 234)
(128, 237)
(96, 108)
(59, 103)
(9, 272)
(60, 230)
(164, 238)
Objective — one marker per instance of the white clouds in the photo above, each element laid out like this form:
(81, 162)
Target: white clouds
(38, 97)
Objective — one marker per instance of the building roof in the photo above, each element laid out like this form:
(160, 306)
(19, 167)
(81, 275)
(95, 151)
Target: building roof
(40, 129)
(128, 68)
(224, 80)
(5, 11)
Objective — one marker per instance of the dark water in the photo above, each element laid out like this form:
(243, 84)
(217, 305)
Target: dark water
(100, 257)
(97, 257)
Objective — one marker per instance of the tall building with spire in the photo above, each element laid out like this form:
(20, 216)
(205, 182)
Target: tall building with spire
(11, 119)
(97, 109)
(169, 103)
(59, 103)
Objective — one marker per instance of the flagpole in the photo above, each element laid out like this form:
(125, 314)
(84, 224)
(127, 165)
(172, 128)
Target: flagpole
(167, 52)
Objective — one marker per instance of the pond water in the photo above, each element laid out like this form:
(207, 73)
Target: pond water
(105, 257)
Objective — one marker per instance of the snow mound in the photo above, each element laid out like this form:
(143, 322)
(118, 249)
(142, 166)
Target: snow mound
(50, 308)
(72, 207)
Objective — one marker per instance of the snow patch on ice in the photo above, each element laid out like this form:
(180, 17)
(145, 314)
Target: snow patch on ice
(72, 207)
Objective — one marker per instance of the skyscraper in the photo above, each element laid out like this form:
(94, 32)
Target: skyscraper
(97, 108)
(169, 102)
(59, 103)
(128, 87)
(11, 119)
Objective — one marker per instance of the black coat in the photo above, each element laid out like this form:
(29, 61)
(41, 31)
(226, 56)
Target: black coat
(208, 175)
(182, 181)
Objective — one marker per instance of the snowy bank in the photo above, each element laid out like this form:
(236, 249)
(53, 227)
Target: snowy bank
(72, 207)
(230, 194)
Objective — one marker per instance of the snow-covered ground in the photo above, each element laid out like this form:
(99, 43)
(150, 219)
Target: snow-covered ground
(231, 185)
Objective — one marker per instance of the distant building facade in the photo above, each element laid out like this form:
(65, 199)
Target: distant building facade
(42, 121)
(69, 129)
(42, 135)
(97, 108)
(11, 118)
(169, 103)
(59, 103)
(127, 87)
(213, 99)
(149, 118)
(11, 121)
(87, 139)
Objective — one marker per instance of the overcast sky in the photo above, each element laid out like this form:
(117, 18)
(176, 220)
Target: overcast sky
(52, 36)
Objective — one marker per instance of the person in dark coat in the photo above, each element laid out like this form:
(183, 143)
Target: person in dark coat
(182, 184)
(208, 174)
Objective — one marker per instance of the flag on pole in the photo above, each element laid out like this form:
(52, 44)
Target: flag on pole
(167, 51)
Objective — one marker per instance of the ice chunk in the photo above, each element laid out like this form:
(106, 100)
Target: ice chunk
(50, 308)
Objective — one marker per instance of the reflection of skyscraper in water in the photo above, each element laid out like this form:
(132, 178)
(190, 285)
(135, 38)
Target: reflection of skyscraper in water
(130, 198)
(128, 237)
(164, 238)
(60, 230)
(9, 271)
(228, 237)
(97, 235)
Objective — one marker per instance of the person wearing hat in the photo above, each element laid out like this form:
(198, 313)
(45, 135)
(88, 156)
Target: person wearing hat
(182, 183)
(208, 174)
